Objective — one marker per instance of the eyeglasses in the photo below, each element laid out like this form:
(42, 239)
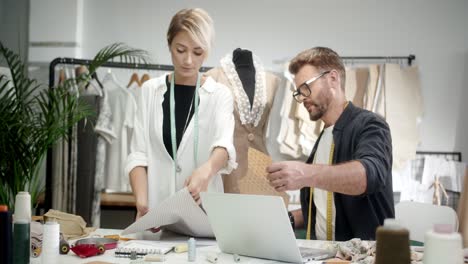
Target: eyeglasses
(304, 89)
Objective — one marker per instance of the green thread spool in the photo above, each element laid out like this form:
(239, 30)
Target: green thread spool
(392, 244)
(21, 228)
(21, 242)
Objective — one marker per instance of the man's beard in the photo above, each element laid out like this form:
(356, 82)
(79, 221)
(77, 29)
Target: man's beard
(323, 101)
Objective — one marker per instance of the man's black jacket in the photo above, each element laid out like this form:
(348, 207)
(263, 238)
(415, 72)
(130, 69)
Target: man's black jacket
(362, 136)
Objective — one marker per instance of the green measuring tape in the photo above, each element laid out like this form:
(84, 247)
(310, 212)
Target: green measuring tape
(173, 126)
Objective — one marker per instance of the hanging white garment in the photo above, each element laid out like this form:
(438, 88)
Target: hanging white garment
(122, 106)
(135, 90)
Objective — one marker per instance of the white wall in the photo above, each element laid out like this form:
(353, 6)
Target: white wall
(435, 31)
(57, 26)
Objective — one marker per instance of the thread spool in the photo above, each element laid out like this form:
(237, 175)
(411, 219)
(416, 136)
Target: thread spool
(21, 228)
(5, 235)
(442, 245)
(192, 250)
(23, 206)
(392, 244)
(50, 242)
(236, 258)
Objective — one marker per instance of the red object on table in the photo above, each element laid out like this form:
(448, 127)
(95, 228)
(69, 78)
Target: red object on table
(87, 250)
(88, 247)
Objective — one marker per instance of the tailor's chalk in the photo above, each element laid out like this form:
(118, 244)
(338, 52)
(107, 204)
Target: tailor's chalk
(155, 258)
(212, 258)
(181, 248)
(236, 257)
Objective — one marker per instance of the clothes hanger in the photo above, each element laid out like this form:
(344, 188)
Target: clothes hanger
(70, 74)
(84, 70)
(144, 78)
(134, 78)
(62, 76)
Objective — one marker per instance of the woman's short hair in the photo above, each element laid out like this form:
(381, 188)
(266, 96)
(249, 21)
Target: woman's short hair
(324, 59)
(196, 22)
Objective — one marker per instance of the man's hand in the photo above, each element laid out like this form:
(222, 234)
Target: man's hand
(198, 181)
(288, 175)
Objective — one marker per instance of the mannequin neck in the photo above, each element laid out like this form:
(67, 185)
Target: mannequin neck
(242, 58)
(243, 61)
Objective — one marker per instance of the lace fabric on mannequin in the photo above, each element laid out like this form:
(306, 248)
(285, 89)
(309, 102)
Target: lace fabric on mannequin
(247, 114)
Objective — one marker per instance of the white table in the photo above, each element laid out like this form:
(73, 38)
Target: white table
(205, 247)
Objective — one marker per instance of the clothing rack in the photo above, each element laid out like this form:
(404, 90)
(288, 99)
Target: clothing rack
(121, 65)
(455, 156)
(409, 59)
(85, 62)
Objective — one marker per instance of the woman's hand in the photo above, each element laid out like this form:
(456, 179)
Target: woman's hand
(198, 181)
(142, 209)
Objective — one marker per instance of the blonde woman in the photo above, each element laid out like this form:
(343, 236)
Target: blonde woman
(183, 136)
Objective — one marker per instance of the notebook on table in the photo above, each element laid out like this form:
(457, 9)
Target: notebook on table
(256, 226)
(142, 248)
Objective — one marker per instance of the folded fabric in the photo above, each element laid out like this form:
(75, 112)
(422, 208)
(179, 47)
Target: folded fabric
(71, 226)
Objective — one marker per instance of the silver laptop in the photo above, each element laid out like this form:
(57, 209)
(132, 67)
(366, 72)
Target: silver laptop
(256, 226)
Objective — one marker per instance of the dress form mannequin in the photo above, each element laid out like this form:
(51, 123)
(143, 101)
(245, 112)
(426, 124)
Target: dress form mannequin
(245, 68)
(253, 90)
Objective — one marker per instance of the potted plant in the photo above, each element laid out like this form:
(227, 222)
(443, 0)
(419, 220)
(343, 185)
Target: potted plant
(33, 118)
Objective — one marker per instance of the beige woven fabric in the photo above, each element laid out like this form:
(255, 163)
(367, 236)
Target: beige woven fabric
(255, 181)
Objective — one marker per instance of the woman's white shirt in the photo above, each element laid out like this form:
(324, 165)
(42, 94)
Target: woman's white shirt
(216, 128)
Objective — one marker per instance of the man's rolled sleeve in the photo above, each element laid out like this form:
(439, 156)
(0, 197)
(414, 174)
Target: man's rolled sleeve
(374, 151)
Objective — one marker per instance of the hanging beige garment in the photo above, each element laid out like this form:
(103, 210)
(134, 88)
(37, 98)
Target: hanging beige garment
(463, 211)
(290, 144)
(362, 80)
(255, 181)
(307, 129)
(350, 84)
(403, 110)
(371, 87)
(379, 102)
